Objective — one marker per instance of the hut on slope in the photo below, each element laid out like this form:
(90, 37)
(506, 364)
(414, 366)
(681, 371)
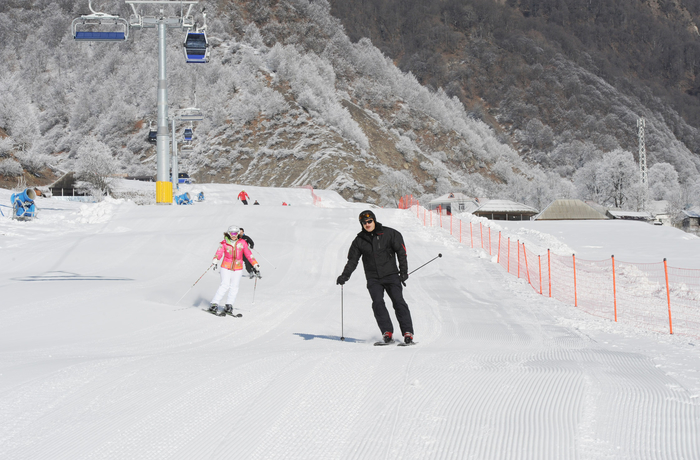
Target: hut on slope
(505, 210)
(454, 202)
(569, 210)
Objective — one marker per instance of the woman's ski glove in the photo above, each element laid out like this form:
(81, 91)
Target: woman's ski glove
(215, 262)
(256, 269)
(341, 280)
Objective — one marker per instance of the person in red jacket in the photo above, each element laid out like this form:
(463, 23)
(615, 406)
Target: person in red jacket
(243, 196)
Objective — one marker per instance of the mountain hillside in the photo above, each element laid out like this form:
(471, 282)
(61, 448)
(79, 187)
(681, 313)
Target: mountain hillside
(290, 99)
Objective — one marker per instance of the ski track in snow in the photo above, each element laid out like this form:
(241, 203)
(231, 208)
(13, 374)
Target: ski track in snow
(97, 360)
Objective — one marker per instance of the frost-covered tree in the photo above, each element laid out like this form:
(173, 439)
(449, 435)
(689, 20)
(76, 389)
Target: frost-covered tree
(395, 184)
(10, 168)
(663, 182)
(94, 167)
(617, 174)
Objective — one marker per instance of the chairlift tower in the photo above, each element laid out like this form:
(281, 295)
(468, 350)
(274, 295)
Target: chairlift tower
(119, 31)
(643, 179)
(190, 114)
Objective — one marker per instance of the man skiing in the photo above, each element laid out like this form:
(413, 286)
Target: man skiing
(379, 246)
(243, 196)
(248, 267)
(232, 249)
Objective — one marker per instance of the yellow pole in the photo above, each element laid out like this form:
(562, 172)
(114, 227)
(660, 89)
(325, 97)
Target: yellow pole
(164, 192)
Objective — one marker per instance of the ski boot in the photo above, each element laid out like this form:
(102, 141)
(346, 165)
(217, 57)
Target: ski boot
(408, 338)
(228, 309)
(214, 308)
(387, 337)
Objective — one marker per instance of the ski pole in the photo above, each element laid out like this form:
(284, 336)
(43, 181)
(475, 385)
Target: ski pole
(439, 255)
(266, 259)
(255, 287)
(205, 272)
(342, 328)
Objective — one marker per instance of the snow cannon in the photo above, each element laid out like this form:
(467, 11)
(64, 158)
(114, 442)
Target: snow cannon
(200, 197)
(23, 207)
(183, 199)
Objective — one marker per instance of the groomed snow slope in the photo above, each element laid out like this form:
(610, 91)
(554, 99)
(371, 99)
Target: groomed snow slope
(98, 361)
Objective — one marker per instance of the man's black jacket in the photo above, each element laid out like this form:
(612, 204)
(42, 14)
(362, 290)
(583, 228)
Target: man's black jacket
(378, 250)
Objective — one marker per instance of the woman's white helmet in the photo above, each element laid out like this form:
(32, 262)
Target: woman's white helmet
(233, 230)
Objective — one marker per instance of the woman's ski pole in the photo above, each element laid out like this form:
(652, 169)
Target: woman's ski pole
(439, 255)
(205, 272)
(254, 288)
(342, 328)
(266, 259)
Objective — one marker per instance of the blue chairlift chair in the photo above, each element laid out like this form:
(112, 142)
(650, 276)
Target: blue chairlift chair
(196, 48)
(152, 134)
(100, 27)
(188, 134)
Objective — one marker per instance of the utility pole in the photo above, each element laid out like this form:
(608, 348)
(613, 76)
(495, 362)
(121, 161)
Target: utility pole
(643, 179)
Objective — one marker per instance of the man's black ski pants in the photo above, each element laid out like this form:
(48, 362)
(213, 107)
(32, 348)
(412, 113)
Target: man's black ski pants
(392, 285)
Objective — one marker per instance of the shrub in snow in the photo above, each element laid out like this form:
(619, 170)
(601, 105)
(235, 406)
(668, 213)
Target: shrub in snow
(395, 184)
(10, 168)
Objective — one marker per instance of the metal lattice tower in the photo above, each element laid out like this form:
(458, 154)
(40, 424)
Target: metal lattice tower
(641, 124)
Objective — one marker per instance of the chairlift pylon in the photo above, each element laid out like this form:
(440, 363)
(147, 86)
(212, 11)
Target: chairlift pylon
(94, 22)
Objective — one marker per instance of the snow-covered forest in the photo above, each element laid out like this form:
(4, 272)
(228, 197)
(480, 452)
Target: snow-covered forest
(290, 100)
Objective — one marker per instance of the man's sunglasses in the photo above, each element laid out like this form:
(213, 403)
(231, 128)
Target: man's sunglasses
(368, 221)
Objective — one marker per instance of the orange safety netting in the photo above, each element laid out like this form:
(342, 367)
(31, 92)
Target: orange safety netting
(652, 295)
(316, 198)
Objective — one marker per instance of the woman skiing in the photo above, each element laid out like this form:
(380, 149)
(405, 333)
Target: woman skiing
(232, 249)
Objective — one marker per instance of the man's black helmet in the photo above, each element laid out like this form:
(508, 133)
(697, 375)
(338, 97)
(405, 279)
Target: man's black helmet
(364, 215)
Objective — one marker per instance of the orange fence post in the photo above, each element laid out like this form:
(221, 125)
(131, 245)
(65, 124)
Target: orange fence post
(518, 246)
(575, 293)
(668, 296)
(440, 214)
(490, 242)
(539, 269)
(460, 230)
(498, 258)
(614, 287)
(508, 254)
(527, 270)
(549, 272)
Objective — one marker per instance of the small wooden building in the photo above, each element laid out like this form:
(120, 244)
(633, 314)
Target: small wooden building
(642, 216)
(454, 202)
(65, 186)
(690, 221)
(505, 210)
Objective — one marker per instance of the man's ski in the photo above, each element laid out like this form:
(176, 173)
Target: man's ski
(402, 344)
(237, 315)
(382, 343)
(212, 312)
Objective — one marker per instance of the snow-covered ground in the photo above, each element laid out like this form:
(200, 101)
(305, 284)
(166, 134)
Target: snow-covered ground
(97, 359)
